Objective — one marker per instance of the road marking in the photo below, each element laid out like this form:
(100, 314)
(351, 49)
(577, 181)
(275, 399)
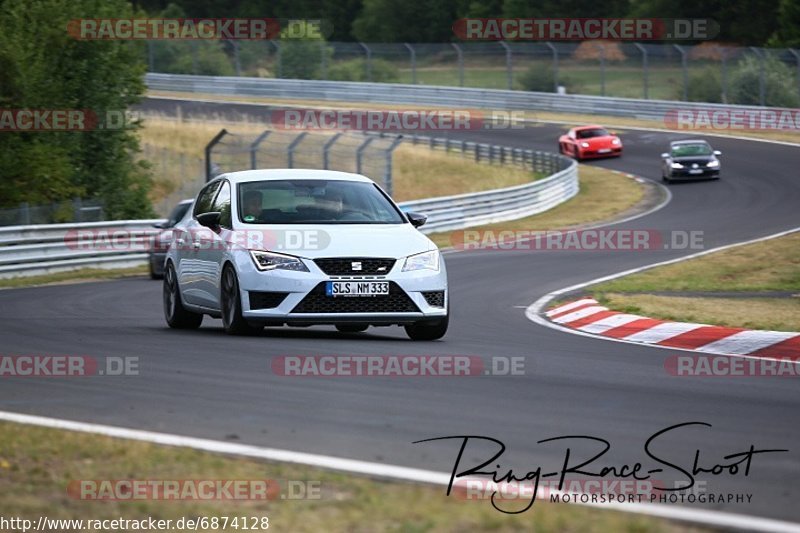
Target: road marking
(698, 516)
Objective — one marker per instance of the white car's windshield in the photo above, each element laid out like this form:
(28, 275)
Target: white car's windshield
(315, 202)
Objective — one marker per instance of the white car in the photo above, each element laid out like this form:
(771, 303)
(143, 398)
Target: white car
(303, 247)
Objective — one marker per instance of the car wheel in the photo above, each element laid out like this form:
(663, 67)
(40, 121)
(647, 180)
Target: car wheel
(428, 330)
(177, 315)
(231, 302)
(351, 328)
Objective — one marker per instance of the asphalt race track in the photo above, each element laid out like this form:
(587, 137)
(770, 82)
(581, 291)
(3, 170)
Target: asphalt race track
(206, 384)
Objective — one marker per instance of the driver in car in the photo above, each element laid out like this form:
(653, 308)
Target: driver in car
(251, 206)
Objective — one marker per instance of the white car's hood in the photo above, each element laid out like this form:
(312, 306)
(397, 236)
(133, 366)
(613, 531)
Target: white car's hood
(344, 240)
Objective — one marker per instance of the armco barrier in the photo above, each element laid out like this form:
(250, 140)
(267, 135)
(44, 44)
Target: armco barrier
(32, 250)
(426, 95)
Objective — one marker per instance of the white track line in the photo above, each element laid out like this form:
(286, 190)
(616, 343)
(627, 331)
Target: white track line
(699, 516)
(534, 310)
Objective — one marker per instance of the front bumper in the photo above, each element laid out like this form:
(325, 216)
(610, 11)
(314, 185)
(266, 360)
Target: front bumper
(685, 174)
(596, 154)
(298, 298)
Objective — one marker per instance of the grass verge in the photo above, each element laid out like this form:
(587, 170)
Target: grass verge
(772, 265)
(604, 195)
(172, 145)
(37, 465)
(543, 116)
(72, 276)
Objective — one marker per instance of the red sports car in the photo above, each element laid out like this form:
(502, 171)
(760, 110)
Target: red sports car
(587, 142)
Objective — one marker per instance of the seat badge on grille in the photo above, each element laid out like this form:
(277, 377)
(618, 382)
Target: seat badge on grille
(381, 269)
(356, 265)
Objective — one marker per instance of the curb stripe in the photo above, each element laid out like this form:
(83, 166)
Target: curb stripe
(636, 326)
(601, 326)
(662, 332)
(747, 341)
(586, 315)
(575, 315)
(699, 337)
(787, 348)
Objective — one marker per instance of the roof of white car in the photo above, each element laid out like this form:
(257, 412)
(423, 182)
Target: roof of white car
(293, 174)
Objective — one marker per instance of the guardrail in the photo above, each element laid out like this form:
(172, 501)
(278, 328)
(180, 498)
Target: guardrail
(32, 250)
(41, 249)
(397, 94)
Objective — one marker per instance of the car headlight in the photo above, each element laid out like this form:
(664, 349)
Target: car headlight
(676, 165)
(615, 142)
(713, 164)
(423, 261)
(272, 261)
(585, 144)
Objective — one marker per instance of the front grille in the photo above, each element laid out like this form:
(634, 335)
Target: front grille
(266, 300)
(434, 298)
(343, 266)
(316, 301)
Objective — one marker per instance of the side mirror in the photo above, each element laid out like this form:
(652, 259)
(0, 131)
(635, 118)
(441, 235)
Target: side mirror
(210, 219)
(664, 155)
(717, 152)
(416, 219)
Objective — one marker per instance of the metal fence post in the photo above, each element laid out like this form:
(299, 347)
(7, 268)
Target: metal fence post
(236, 63)
(645, 69)
(460, 64)
(797, 60)
(290, 149)
(279, 55)
(387, 178)
(762, 93)
(194, 57)
(685, 71)
(151, 60)
(323, 59)
(254, 148)
(77, 212)
(217, 138)
(360, 153)
(509, 65)
(724, 56)
(413, 62)
(555, 65)
(602, 68)
(25, 213)
(326, 149)
(368, 65)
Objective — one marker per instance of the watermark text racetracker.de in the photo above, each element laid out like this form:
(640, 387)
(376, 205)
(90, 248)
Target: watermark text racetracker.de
(193, 489)
(126, 29)
(582, 29)
(733, 119)
(398, 120)
(65, 366)
(406, 366)
(635, 240)
(684, 365)
(82, 120)
(196, 239)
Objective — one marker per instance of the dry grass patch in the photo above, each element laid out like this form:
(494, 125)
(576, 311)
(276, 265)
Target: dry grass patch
(778, 314)
(36, 465)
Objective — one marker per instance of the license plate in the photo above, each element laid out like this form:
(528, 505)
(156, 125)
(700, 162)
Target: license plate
(603, 150)
(696, 171)
(357, 288)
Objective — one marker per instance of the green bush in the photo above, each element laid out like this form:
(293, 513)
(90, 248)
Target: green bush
(356, 70)
(705, 86)
(302, 58)
(780, 87)
(539, 77)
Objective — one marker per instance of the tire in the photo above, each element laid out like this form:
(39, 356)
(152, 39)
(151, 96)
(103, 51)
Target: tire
(175, 313)
(231, 303)
(351, 328)
(428, 330)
